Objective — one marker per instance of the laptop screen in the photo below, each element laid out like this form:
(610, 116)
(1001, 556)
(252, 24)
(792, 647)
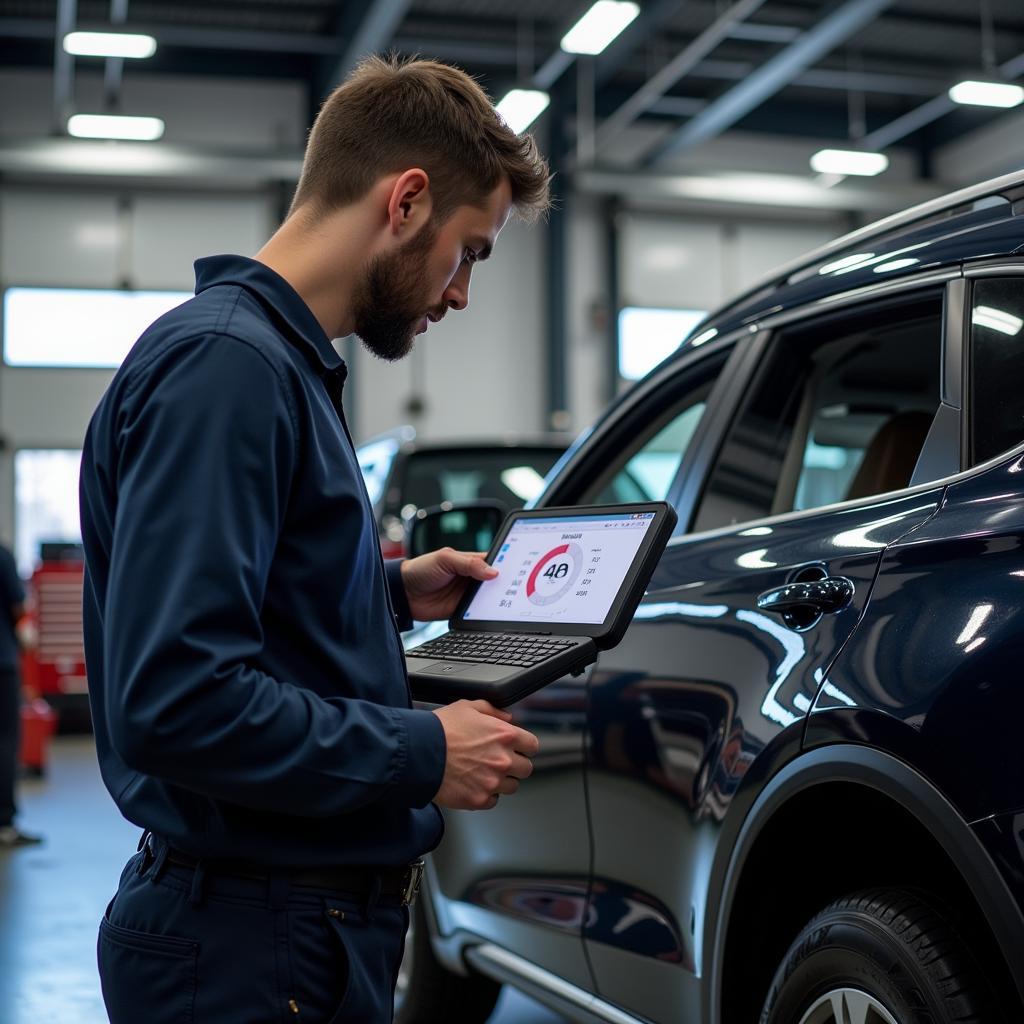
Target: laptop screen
(565, 569)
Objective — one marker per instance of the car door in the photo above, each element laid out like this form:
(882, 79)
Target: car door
(520, 873)
(788, 512)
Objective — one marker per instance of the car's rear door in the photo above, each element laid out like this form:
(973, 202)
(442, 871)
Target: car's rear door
(745, 613)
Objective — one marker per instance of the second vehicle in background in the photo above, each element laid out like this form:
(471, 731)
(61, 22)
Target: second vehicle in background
(404, 474)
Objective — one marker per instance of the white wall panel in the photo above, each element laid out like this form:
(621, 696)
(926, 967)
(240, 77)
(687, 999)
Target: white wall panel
(170, 232)
(481, 370)
(755, 251)
(55, 238)
(673, 262)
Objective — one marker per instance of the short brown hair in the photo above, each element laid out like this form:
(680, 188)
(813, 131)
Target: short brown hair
(390, 115)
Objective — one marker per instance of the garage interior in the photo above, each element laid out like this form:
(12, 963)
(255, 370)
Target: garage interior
(684, 157)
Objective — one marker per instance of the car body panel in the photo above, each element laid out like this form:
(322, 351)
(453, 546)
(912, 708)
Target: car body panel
(525, 884)
(674, 754)
(702, 684)
(942, 643)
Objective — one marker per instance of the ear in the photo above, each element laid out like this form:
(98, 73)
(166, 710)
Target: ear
(409, 204)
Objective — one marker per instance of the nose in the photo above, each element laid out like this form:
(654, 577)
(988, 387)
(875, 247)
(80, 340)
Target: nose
(456, 295)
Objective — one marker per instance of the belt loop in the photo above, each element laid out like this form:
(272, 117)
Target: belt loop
(278, 886)
(372, 895)
(159, 861)
(195, 896)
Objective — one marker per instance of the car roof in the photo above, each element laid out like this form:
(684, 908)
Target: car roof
(982, 221)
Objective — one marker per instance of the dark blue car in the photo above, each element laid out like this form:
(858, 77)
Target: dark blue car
(794, 793)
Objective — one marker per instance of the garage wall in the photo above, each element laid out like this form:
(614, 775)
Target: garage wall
(100, 239)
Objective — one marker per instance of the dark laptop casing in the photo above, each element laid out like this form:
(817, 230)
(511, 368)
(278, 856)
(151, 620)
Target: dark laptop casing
(436, 681)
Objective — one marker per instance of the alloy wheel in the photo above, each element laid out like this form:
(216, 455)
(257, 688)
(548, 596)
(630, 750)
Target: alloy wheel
(848, 1006)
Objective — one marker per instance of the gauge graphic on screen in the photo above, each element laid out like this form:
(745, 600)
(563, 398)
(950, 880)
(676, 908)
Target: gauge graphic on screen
(554, 574)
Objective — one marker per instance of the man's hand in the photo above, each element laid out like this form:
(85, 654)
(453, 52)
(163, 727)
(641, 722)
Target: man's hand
(487, 755)
(434, 583)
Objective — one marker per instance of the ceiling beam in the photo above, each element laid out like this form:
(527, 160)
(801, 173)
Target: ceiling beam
(928, 112)
(682, 64)
(374, 32)
(770, 77)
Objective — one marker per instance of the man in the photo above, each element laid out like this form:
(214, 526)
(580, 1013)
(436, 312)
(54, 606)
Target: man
(251, 706)
(12, 608)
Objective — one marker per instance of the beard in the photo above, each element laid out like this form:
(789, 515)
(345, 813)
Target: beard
(393, 298)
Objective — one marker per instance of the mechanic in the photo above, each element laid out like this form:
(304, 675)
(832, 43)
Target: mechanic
(246, 673)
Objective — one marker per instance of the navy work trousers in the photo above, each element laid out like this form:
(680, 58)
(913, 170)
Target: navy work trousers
(181, 945)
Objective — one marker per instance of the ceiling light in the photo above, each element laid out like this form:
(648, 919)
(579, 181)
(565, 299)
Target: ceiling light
(849, 161)
(519, 108)
(997, 320)
(115, 126)
(599, 26)
(109, 44)
(987, 94)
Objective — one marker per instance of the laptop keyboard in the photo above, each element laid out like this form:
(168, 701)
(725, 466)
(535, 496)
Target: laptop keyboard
(492, 648)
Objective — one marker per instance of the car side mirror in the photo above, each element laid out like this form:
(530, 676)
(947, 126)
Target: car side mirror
(464, 525)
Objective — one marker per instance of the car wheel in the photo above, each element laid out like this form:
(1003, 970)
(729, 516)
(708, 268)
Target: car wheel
(883, 956)
(427, 993)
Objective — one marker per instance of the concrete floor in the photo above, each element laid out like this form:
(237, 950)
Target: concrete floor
(52, 898)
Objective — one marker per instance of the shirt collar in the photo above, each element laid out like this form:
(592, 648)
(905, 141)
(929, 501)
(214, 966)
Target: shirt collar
(276, 292)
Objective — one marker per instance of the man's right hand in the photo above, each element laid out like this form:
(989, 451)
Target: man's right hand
(487, 755)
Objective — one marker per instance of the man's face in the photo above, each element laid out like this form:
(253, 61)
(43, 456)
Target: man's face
(405, 290)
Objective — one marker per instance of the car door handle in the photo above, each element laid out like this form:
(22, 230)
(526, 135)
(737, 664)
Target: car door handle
(831, 594)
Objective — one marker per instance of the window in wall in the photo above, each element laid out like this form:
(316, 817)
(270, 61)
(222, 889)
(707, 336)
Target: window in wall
(841, 410)
(997, 362)
(78, 327)
(45, 502)
(647, 336)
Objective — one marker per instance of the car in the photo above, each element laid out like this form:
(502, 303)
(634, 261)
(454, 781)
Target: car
(794, 792)
(404, 474)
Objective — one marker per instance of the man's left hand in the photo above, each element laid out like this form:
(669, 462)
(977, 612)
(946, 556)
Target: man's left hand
(435, 583)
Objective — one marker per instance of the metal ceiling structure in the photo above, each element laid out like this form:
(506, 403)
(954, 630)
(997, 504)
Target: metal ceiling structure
(693, 68)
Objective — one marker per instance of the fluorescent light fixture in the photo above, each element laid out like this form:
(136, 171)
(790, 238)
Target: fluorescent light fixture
(599, 26)
(109, 44)
(986, 94)
(849, 161)
(997, 320)
(519, 108)
(115, 126)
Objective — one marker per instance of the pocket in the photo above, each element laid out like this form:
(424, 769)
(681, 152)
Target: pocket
(319, 968)
(146, 977)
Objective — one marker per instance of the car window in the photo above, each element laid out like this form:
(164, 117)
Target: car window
(996, 367)
(840, 409)
(512, 475)
(644, 470)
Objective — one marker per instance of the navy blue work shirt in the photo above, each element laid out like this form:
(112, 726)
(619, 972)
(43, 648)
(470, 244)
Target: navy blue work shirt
(12, 595)
(245, 669)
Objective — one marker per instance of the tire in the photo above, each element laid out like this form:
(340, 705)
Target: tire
(881, 956)
(427, 993)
